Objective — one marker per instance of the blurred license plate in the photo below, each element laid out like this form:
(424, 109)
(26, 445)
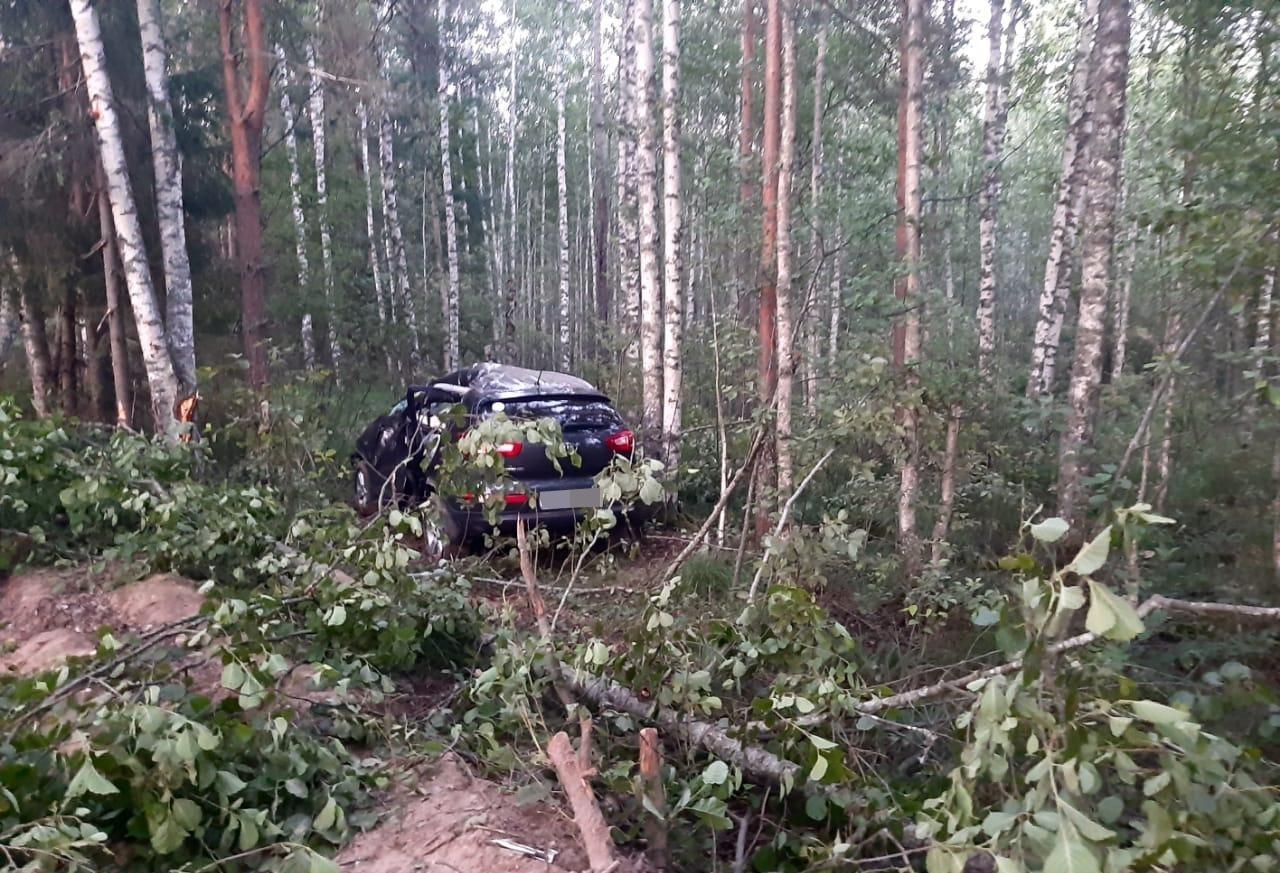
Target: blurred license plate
(569, 498)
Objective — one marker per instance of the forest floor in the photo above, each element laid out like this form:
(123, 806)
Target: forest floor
(436, 816)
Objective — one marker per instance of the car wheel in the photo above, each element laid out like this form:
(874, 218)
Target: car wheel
(365, 488)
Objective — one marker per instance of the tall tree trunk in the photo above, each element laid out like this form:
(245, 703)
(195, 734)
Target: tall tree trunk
(995, 116)
(647, 182)
(299, 216)
(319, 130)
(375, 262)
(68, 358)
(746, 134)
(833, 329)
(1120, 324)
(167, 163)
(509, 194)
(672, 236)
(786, 321)
(116, 331)
(452, 328)
(812, 321)
(96, 364)
(1102, 189)
(600, 166)
(768, 310)
(1066, 209)
(35, 342)
(151, 333)
(562, 219)
(628, 194)
(906, 344)
(10, 321)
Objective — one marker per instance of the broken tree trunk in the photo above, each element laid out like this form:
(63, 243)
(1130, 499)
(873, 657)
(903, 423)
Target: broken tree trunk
(596, 838)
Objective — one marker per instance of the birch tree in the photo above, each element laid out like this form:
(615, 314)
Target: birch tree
(562, 216)
(290, 119)
(906, 339)
(1066, 210)
(451, 353)
(121, 383)
(397, 260)
(673, 293)
(375, 263)
(995, 116)
(813, 329)
(167, 164)
(161, 380)
(319, 130)
(1102, 189)
(786, 323)
(600, 165)
(647, 184)
(628, 189)
(35, 344)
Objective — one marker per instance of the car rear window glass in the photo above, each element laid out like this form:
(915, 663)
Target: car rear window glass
(573, 413)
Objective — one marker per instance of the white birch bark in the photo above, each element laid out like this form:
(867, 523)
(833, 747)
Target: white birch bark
(319, 129)
(150, 326)
(123, 387)
(833, 331)
(562, 213)
(1102, 190)
(451, 345)
(811, 318)
(1123, 303)
(167, 163)
(785, 335)
(947, 491)
(995, 113)
(673, 237)
(1066, 209)
(628, 193)
(299, 215)
(509, 187)
(10, 322)
(36, 345)
(375, 265)
(647, 183)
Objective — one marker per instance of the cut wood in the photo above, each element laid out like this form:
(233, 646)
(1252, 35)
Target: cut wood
(653, 796)
(596, 838)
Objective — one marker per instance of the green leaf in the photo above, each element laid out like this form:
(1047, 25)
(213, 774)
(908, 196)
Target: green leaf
(167, 836)
(229, 783)
(997, 821)
(88, 779)
(186, 813)
(1088, 828)
(296, 788)
(819, 769)
(1156, 713)
(328, 816)
(1093, 555)
(337, 616)
(816, 807)
(651, 491)
(1070, 855)
(233, 676)
(321, 864)
(716, 773)
(1050, 530)
(1110, 808)
(248, 833)
(1111, 616)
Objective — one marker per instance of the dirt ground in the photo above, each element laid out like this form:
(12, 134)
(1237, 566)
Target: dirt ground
(449, 820)
(49, 615)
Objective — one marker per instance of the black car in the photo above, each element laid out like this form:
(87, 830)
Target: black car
(397, 456)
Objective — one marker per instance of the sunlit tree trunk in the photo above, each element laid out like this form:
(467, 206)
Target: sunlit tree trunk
(562, 214)
(600, 166)
(786, 321)
(319, 129)
(995, 116)
(246, 113)
(812, 319)
(906, 339)
(452, 328)
(673, 293)
(1066, 209)
(35, 343)
(167, 163)
(122, 384)
(299, 216)
(647, 183)
(1102, 190)
(150, 326)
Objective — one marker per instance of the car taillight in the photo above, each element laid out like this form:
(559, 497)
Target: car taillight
(510, 450)
(517, 499)
(622, 442)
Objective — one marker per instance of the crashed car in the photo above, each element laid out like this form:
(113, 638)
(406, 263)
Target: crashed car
(397, 457)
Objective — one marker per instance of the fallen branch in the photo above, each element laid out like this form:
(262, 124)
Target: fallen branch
(782, 522)
(653, 796)
(596, 838)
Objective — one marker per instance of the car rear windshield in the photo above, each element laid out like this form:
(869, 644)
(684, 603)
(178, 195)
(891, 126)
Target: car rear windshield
(573, 413)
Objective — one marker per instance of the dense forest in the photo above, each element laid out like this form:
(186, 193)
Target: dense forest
(949, 538)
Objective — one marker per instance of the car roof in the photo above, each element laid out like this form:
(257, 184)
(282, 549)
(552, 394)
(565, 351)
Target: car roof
(490, 381)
